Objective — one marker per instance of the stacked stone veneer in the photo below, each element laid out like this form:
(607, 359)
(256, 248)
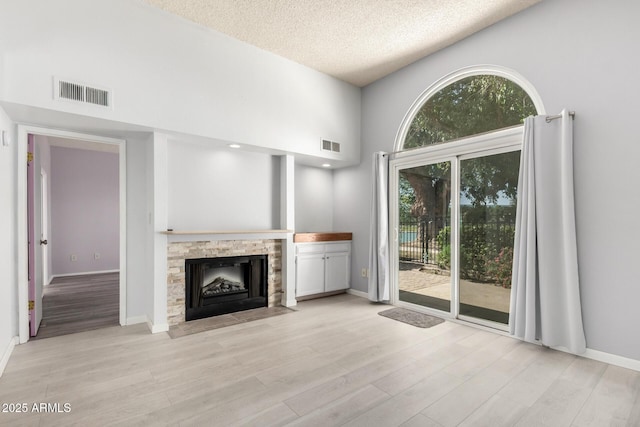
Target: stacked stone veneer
(177, 252)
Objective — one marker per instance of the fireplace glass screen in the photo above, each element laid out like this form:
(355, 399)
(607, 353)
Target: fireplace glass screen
(223, 285)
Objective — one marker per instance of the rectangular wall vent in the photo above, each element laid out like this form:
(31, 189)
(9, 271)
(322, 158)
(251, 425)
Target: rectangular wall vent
(97, 96)
(79, 92)
(72, 91)
(330, 146)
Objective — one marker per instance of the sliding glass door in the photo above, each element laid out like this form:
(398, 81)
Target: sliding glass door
(488, 187)
(454, 222)
(424, 232)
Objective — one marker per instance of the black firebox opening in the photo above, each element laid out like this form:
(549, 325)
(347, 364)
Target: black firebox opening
(215, 286)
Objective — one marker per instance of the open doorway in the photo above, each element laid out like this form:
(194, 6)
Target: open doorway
(73, 199)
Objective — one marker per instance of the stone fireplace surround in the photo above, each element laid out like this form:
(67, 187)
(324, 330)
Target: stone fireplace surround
(177, 252)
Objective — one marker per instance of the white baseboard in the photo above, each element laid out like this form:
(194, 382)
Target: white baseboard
(7, 353)
(291, 302)
(162, 327)
(84, 273)
(136, 320)
(358, 293)
(612, 359)
(601, 356)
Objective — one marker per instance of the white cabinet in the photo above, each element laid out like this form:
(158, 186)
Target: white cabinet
(322, 267)
(337, 270)
(309, 274)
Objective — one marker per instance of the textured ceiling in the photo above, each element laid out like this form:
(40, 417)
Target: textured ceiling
(358, 41)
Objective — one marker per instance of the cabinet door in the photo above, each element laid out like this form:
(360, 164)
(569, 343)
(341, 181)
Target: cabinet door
(309, 274)
(338, 269)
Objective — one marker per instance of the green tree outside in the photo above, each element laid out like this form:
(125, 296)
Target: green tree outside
(470, 106)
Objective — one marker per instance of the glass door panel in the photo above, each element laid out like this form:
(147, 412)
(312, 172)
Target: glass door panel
(424, 235)
(488, 187)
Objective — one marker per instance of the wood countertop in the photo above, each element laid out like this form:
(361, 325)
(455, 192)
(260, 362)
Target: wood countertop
(321, 237)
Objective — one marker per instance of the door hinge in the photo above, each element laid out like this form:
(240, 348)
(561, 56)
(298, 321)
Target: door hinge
(32, 305)
(29, 157)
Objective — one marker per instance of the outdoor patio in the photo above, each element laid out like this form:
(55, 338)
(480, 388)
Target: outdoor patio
(417, 279)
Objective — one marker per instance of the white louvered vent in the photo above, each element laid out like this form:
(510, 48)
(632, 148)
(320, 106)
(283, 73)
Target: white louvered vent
(330, 146)
(79, 92)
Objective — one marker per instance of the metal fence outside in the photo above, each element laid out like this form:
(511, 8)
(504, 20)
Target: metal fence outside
(418, 239)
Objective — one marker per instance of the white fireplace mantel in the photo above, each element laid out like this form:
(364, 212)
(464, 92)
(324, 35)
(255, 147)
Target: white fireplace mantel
(203, 235)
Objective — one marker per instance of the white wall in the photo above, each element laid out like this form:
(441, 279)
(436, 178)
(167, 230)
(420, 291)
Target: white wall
(85, 214)
(578, 56)
(314, 199)
(169, 75)
(173, 75)
(8, 274)
(139, 272)
(222, 188)
(158, 203)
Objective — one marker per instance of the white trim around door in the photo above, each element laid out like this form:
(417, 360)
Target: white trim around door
(22, 254)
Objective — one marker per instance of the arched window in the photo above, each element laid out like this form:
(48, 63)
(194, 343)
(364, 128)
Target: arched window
(469, 102)
(454, 193)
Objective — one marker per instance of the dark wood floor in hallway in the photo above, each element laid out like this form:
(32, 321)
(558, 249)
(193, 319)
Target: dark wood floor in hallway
(73, 304)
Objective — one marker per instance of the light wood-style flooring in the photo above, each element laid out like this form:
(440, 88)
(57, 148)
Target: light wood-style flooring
(333, 362)
(73, 304)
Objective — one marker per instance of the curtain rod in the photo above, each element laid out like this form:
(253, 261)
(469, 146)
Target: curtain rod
(572, 114)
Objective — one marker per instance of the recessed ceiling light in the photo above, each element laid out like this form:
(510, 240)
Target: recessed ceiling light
(326, 165)
(234, 145)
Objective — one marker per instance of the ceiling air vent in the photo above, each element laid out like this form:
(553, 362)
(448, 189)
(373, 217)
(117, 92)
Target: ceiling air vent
(330, 146)
(79, 92)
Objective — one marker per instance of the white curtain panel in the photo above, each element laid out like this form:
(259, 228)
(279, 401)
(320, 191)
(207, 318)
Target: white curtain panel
(545, 294)
(379, 230)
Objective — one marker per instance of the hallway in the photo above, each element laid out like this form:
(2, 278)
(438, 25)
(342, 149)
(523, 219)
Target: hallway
(79, 303)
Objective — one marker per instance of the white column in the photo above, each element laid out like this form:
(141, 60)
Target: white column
(287, 222)
(159, 220)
